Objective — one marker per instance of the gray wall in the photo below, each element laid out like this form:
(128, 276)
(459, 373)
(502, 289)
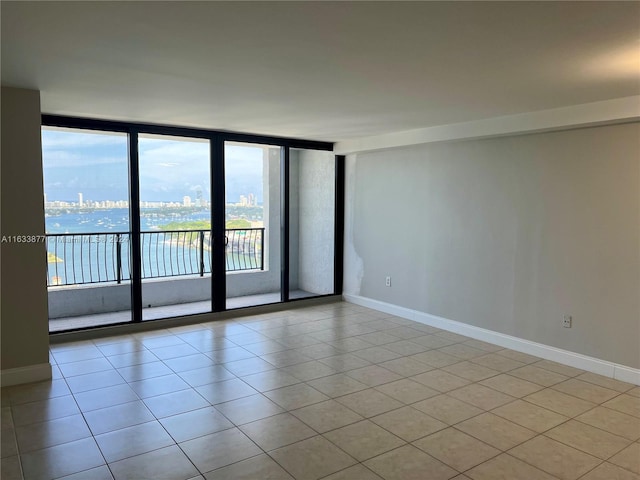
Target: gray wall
(25, 339)
(506, 234)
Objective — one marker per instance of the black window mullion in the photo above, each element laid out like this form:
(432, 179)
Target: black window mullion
(338, 230)
(284, 223)
(218, 273)
(134, 210)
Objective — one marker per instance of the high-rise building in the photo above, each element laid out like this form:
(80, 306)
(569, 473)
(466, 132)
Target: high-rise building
(186, 201)
(80, 200)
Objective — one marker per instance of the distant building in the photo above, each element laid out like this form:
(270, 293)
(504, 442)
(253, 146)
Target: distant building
(186, 201)
(80, 200)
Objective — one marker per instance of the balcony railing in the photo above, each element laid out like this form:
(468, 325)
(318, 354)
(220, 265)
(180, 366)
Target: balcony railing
(84, 258)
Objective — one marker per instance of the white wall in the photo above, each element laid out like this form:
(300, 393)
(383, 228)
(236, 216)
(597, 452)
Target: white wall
(294, 220)
(506, 234)
(271, 215)
(25, 340)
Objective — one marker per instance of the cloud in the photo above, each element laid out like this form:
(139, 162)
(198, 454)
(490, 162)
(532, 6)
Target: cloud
(73, 138)
(188, 161)
(66, 159)
(78, 149)
(170, 167)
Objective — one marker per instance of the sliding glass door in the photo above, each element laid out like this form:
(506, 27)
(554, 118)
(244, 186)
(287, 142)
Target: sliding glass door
(175, 225)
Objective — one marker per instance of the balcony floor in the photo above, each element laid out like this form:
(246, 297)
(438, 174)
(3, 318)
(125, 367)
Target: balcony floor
(167, 311)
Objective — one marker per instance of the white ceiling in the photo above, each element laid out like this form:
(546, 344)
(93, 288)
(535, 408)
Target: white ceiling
(319, 70)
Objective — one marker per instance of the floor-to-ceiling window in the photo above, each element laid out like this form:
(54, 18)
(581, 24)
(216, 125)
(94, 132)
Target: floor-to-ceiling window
(87, 224)
(252, 223)
(147, 222)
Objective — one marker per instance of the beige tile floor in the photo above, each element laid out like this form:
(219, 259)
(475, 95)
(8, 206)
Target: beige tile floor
(333, 391)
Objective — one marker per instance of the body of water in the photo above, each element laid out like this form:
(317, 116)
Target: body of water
(115, 220)
(80, 259)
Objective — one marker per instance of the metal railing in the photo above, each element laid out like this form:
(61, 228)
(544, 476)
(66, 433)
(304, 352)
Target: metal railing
(85, 258)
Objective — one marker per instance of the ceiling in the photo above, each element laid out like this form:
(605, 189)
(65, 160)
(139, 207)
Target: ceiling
(319, 70)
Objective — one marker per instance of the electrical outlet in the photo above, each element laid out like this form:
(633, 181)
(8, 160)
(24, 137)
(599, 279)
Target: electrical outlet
(387, 281)
(566, 321)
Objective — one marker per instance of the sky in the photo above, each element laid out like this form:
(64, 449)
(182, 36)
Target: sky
(95, 164)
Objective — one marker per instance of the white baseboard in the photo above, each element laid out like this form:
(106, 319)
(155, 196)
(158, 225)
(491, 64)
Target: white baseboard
(577, 360)
(20, 375)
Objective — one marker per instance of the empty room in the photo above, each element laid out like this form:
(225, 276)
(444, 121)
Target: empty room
(320, 240)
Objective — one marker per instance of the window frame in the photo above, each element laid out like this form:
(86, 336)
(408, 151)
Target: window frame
(217, 140)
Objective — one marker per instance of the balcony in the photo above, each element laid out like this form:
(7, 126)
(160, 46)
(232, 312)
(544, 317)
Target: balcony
(89, 258)
(89, 275)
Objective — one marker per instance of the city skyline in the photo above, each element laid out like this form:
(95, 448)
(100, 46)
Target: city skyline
(246, 200)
